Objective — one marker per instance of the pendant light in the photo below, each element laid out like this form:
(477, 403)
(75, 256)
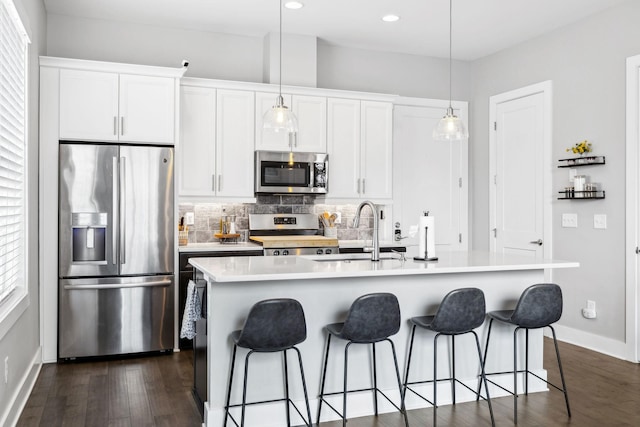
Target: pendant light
(280, 118)
(450, 127)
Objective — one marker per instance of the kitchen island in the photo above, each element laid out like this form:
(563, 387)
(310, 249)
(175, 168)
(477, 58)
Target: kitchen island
(326, 286)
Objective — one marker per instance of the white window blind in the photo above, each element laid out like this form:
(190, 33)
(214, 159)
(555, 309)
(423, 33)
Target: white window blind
(13, 63)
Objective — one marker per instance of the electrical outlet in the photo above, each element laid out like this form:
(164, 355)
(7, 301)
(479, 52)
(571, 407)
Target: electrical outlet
(600, 221)
(189, 218)
(591, 305)
(338, 217)
(6, 369)
(570, 220)
(590, 311)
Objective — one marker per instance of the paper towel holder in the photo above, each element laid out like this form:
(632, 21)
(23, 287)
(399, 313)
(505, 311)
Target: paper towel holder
(426, 245)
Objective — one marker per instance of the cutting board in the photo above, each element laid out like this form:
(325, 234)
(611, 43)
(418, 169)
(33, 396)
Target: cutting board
(295, 241)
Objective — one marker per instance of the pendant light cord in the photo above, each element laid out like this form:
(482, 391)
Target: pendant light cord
(280, 41)
(450, 43)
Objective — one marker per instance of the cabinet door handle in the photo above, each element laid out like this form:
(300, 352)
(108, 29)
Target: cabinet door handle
(364, 191)
(358, 185)
(213, 182)
(219, 182)
(115, 125)
(536, 242)
(122, 125)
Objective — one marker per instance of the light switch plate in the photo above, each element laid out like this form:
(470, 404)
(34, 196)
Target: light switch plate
(570, 220)
(189, 218)
(600, 221)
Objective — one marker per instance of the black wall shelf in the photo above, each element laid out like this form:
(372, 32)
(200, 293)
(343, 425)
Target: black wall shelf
(581, 195)
(582, 161)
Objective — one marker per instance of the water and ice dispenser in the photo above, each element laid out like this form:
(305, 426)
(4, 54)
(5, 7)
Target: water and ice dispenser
(89, 241)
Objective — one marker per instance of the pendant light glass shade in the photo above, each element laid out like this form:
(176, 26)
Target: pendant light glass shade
(450, 127)
(280, 118)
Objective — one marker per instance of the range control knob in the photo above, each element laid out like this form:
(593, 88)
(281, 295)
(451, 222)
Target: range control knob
(285, 252)
(319, 252)
(328, 251)
(276, 252)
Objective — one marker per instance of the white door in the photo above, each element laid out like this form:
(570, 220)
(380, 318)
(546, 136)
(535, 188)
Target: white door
(88, 105)
(521, 175)
(311, 112)
(376, 149)
(147, 109)
(197, 155)
(429, 176)
(343, 145)
(234, 143)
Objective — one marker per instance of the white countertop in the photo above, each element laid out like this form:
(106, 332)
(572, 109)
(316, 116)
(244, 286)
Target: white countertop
(251, 269)
(366, 243)
(219, 247)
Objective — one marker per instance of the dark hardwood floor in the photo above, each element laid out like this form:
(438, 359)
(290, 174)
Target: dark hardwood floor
(156, 391)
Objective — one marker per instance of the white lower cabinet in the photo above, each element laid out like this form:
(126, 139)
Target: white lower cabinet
(359, 142)
(216, 143)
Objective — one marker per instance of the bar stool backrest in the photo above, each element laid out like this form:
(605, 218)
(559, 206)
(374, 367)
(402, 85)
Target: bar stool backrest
(273, 325)
(372, 318)
(460, 311)
(539, 305)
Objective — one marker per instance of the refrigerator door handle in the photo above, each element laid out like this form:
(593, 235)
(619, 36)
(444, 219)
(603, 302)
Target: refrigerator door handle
(123, 210)
(152, 284)
(114, 208)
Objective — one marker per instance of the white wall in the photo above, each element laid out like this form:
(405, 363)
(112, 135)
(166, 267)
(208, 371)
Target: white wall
(21, 342)
(586, 63)
(230, 57)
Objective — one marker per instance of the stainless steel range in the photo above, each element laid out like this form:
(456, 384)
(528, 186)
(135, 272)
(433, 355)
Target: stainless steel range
(290, 234)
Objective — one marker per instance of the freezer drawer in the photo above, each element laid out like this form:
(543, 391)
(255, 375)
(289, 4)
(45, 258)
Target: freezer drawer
(120, 315)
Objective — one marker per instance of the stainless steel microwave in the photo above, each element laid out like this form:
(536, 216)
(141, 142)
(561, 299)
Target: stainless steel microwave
(287, 173)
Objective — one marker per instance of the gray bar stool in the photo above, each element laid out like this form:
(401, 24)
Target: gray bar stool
(274, 325)
(538, 307)
(372, 318)
(460, 312)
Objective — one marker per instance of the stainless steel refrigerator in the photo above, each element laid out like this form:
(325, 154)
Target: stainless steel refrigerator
(116, 249)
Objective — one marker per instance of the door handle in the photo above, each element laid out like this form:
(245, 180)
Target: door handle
(536, 242)
(123, 210)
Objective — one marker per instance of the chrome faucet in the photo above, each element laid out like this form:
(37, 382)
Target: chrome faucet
(375, 254)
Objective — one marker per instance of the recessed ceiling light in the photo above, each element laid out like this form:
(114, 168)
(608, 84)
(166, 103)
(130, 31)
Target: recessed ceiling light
(390, 18)
(293, 5)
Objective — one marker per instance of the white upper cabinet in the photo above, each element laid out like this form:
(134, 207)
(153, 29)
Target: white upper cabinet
(103, 106)
(234, 143)
(88, 105)
(360, 149)
(376, 136)
(311, 112)
(216, 143)
(197, 159)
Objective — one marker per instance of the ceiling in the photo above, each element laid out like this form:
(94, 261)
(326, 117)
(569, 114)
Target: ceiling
(480, 27)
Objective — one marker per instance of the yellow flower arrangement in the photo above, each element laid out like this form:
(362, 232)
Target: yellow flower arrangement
(581, 147)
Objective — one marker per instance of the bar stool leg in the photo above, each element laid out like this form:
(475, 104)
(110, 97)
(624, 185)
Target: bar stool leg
(435, 379)
(484, 361)
(526, 363)
(515, 375)
(395, 364)
(286, 387)
(453, 368)
(344, 395)
(375, 381)
(226, 406)
(483, 378)
(244, 387)
(406, 372)
(324, 375)
(304, 387)
(564, 385)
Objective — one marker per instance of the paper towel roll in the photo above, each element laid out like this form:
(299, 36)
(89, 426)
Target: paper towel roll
(426, 227)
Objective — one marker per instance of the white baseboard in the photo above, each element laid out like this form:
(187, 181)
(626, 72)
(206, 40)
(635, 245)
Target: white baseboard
(19, 398)
(600, 344)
